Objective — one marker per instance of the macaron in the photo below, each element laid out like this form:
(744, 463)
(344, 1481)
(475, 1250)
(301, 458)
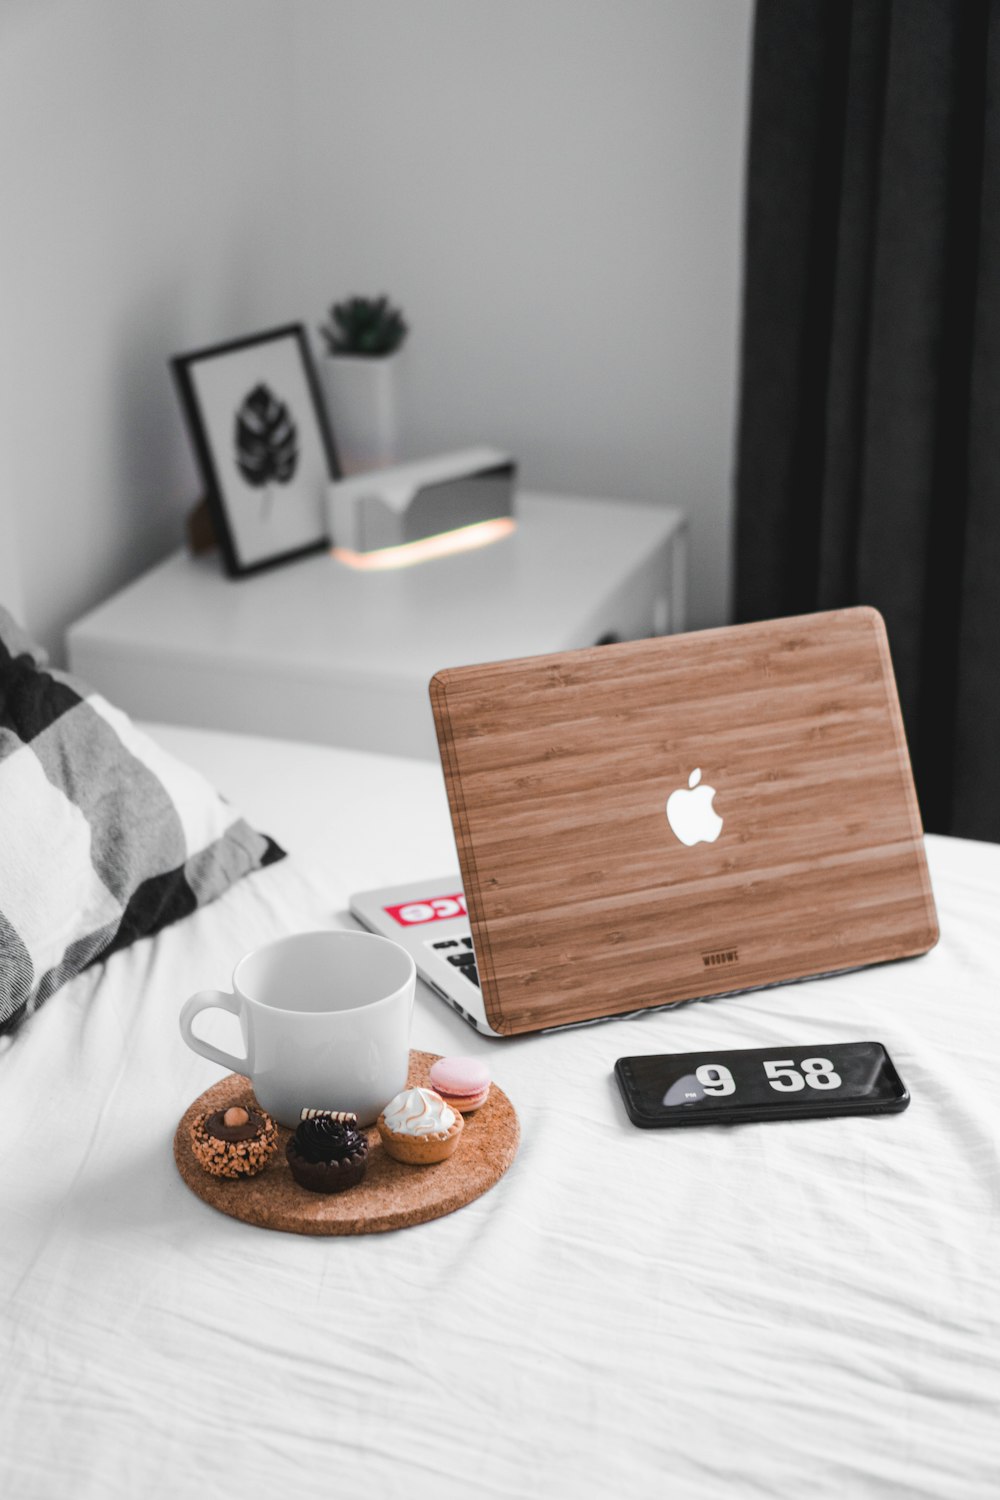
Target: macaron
(463, 1082)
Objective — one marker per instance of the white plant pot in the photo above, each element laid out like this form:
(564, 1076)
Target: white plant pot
(362, 403)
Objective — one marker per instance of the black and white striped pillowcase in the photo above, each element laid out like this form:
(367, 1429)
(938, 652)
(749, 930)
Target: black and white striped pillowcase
(104, 837)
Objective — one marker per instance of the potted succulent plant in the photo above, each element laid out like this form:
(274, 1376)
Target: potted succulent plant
(363, 336)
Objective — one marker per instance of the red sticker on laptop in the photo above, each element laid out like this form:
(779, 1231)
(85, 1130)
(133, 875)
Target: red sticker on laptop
(434, 909)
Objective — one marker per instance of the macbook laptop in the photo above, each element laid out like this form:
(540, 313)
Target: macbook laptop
(668, 819)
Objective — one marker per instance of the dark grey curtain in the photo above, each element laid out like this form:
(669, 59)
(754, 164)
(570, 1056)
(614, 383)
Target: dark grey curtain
(869, 445)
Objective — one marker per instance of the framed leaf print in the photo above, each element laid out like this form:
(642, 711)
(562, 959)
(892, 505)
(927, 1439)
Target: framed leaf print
(260, 435)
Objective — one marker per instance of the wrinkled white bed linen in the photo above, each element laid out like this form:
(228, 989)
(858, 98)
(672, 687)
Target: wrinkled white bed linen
(775, 1310)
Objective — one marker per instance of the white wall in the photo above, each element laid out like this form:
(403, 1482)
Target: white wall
(146, 199)
(552, 188)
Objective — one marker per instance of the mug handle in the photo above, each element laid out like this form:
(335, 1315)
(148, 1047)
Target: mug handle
(209, 1000)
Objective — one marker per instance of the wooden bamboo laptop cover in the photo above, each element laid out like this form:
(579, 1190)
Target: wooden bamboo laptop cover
(583, 900)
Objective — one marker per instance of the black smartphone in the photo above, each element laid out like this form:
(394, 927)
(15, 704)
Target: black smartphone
(760, 1083)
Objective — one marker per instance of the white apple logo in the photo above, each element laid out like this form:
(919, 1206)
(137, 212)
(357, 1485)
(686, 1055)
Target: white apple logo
(690, 813)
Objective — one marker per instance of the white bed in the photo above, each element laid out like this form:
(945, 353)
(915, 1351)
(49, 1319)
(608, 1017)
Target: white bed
(775, 1310)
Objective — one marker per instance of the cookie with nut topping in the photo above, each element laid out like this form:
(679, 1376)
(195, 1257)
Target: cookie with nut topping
(235, 1142)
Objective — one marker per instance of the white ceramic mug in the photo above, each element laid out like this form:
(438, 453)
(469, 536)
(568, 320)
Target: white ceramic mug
(325, 1018)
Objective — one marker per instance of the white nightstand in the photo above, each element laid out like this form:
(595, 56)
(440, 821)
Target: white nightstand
(317, 651)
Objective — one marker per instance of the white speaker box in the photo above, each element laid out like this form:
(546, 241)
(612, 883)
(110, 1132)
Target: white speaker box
(408, 503)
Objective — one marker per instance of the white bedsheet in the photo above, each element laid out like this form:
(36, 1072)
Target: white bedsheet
(776, 1310)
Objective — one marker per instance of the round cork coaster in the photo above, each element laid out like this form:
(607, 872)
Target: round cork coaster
(392, 1195)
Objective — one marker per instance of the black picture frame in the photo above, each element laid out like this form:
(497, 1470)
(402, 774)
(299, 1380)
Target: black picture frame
(256, 419)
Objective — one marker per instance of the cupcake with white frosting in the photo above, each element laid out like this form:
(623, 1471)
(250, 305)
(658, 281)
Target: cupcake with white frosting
(418, 1127)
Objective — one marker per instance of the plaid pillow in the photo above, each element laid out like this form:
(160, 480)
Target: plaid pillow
(104, 837)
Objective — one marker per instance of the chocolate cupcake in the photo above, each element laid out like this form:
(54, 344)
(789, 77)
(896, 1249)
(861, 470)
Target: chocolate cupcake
(327, 1153)
(235, 1142)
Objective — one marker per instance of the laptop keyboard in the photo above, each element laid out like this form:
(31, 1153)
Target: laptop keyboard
(459, 951)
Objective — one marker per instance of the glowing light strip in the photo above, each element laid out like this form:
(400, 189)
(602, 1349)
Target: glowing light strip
(463, 539)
